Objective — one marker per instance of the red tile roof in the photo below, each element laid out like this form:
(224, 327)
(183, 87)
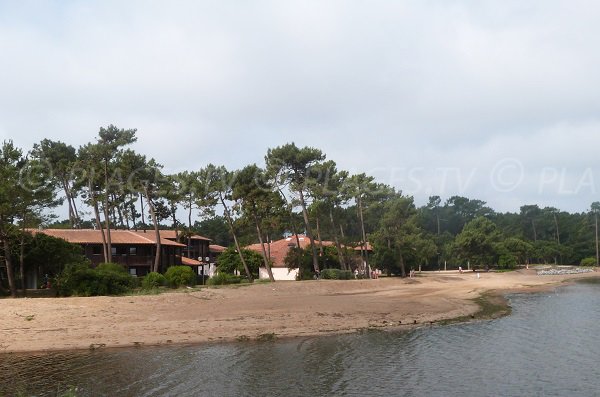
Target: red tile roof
(170, 234)
(216, 248)
(190, 261)
(360, 247)
(91, 236)
(280, 248)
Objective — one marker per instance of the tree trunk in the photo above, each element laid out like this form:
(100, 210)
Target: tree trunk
(98, 224)
(126, 211)
(534, 231)
(190, 215)
(142, 212)
(264, 252)
(156, 266)
(133, 217)
(175, 225)
(364, 235)
(338, 247)
(292, 226)
(309, 232)
(68, 196)
(75, 212)
(321, 252)
(120, 213)
(107, 214)
(9, 268)
(22, 261)
(556, 225)
(402, 268)
(597, 247)
(235, 240)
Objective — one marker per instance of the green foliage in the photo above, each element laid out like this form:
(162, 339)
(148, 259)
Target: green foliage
(336, 274)
(477, 242)
(229, 261)
(507, 261)
(50, 254)
(215, 227)
(224, 279)
(111, 268)
(82, 280)
(153, 280)
(298, 258)
(591, 261)
(178, 276)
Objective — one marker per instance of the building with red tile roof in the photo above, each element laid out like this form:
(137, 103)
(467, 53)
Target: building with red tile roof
(135, 250)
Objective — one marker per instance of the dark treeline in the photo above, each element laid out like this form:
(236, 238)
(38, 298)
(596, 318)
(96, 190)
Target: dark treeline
(106, 185)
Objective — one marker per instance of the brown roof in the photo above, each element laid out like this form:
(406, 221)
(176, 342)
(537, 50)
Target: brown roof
(280, 248)
(190, 261)
(170, 234)
(360, 247)
(216, 248)
(91, 236)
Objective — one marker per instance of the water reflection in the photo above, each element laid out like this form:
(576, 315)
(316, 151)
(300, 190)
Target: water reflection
(547, 347)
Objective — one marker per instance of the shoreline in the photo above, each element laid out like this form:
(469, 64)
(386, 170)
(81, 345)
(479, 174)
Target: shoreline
(263, 312)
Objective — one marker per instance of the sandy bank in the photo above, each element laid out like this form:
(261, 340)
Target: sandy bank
(250, 312)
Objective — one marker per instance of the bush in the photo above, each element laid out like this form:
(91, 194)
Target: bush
(224, 279)
(111, 267)
(591, 261)
(153, 280)
(507, 261)
(336, 274)
(106, 279)
(177, 276)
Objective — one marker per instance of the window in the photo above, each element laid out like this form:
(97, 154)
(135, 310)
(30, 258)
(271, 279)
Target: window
(133, 271)
(113, 251)
(96, 250)
(132, 250)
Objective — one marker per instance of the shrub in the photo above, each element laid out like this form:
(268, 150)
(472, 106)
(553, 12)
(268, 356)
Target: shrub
(177, 276)
(591, 261)
(507, 261)
(111, 267)
(153, 280)
(106, 279)
(224, 279)
(336, 274)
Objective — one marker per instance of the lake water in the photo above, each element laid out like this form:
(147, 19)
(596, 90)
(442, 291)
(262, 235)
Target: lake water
(549, 346)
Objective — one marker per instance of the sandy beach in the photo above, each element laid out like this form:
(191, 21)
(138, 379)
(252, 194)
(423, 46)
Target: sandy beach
(261, 311)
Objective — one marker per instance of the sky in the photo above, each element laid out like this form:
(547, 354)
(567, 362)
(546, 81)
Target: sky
(493, 100)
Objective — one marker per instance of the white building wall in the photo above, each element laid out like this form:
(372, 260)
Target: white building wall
(279, 273)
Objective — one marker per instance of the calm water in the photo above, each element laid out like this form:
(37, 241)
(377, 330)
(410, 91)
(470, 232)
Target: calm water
(549, 346)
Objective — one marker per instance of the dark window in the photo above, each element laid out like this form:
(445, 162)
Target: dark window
(132, 250)
(113, 251)
(96, 250)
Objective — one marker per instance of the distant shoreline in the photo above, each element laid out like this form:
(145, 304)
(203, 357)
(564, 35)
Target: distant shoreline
(262, 311)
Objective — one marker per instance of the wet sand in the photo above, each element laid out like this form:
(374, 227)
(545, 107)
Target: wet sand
(260, 311)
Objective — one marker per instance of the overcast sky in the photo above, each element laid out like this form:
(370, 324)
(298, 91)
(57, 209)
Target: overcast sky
(495, 100)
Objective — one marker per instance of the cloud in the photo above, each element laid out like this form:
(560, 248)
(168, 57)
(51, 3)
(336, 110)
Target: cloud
(420, 93)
